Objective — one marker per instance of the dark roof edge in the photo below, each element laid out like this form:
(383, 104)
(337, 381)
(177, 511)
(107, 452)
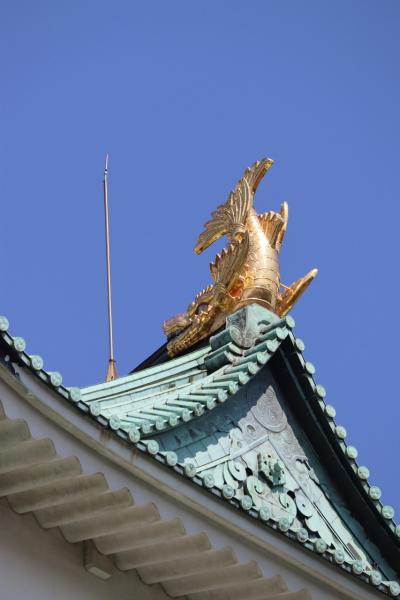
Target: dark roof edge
(327, 438)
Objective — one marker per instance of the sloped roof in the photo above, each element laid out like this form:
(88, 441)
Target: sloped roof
(145, 405)
(36, 480)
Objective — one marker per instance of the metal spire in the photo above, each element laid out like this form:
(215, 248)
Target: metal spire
(112, 369)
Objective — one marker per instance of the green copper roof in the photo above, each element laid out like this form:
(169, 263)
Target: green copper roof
(154, 398)
(143, 407)
(182, 389)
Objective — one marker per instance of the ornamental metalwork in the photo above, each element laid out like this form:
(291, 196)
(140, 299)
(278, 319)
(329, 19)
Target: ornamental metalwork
(245, 272)
(259, 462)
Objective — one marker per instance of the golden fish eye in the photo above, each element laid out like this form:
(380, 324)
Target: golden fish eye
(201, 308)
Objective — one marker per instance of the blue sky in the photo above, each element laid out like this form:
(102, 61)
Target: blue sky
(183, 96)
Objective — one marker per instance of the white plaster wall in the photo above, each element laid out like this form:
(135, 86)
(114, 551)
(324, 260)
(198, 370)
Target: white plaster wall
(40, 565)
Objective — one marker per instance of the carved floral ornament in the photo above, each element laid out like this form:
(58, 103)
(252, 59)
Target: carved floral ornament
(245, 272)
(262, 465)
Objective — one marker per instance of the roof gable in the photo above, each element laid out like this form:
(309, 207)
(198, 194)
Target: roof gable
(254, 450)
(256, 351)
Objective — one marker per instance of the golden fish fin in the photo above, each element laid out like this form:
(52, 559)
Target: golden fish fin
(256, 172)
(225, 269)
(230, 218)
(284, 213)
(271, 223)
(292, 293)
(274, 225)
(227, 219)
(204, 295)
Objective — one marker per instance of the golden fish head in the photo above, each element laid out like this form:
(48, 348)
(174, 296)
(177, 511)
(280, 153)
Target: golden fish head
(176, 324)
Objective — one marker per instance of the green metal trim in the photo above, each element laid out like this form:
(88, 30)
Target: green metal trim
(34, 362)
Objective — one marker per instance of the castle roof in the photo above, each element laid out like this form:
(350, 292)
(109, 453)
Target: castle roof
(243, 418)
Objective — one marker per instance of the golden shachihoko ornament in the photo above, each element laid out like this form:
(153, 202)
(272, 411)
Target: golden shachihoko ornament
(245, 272)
